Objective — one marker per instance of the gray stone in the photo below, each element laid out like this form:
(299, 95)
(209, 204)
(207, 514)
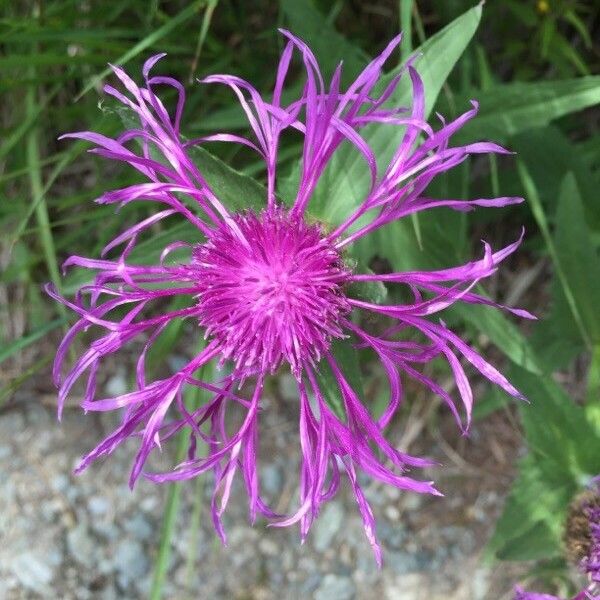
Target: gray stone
(335, 587)
(393, 535)
(106, 530)
(130, 562)
(81, 545)
(117, 384)
(150, 503)
(327, 525)
(311, 583)
(139, 527)
(98, 505)
(59, 483)
(271, 479)
(400, 562)
(33, 572)
(412, 501)
(479, 583)
(5, 452)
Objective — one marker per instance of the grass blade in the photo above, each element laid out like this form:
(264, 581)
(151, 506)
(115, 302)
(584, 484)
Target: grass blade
(145, 43)
(161, 566)
(27, 340)
(37, 191)
(540, 216)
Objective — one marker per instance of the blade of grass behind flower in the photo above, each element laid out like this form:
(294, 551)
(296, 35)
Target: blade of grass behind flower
(207, 374)
(27, 340)
(206, 20)
(161, 564)
(193, 396)
(540, 216)
(37, 191)
(406, 7)
(144, 43)
(58, 169)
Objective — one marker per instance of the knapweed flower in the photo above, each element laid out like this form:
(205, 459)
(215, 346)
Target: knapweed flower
(582, 545)
(274, 287)
(582, 536)
(521, 594)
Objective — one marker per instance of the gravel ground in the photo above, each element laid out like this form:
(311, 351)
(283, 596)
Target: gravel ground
(91, 537)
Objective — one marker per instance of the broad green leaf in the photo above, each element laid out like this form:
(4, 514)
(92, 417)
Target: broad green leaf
(556, 337)
(542, 220)
(347, 359)
(577, 257)
(502, 332)
(564, 443)
(369, 291)
(549, 155)
(510, 108)
(532, 508)
(564, 453)
(236, 191)
(592, 406)
(530, 525)
(345, 181)
(537, 542)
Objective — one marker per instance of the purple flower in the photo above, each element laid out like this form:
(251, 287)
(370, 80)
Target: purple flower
(590, 563)
(275, 287)
(521, 594)
(582, 535)
(582, 545)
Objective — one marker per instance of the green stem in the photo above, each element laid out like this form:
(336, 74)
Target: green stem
(406, 28)
(161, 565)
(38, 199)
(193, 398)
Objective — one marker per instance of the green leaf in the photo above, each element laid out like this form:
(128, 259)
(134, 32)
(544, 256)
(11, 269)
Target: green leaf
(345, 181)
(510, 108)
(577, 257)
(563, 456)
(549, 155)
(592, 406)
(369, 291)
(503, 333)
(347, 359)
(559, 436)
(235, 190)
(530, 525)
(540, 216)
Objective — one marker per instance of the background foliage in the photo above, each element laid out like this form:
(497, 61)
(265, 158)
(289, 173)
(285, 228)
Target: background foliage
(531, 65)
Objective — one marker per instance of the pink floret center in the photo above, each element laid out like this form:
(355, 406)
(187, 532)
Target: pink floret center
(271, 291)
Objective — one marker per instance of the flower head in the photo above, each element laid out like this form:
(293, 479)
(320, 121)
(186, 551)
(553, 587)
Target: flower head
(273, 287)
(272, 294)
(582, 544)
(582, 534)
(521, 594)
